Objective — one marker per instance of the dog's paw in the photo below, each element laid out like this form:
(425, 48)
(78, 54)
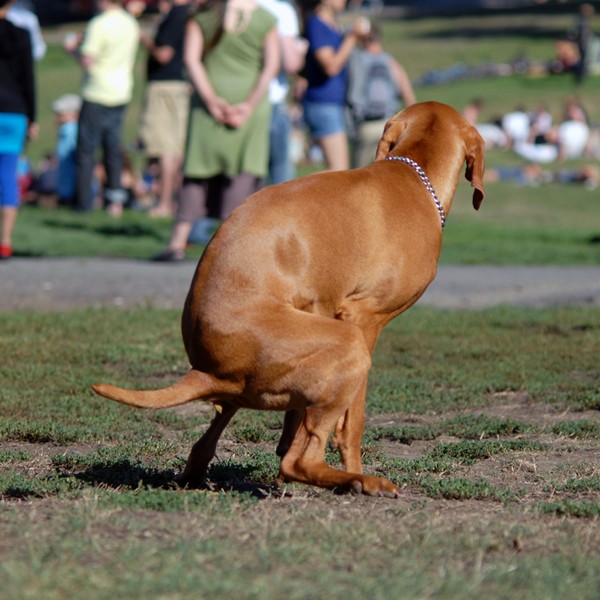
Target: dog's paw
(375, 486)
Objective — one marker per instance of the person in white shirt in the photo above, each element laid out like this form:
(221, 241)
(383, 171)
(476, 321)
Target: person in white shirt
(293, 52)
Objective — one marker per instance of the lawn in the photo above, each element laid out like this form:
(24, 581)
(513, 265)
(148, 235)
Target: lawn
(489, 421)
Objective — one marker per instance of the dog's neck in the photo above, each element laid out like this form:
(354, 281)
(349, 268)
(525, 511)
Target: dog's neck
(426, 183)
(440, 169)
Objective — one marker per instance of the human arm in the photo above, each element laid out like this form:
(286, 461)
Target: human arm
(161, 53)
(293, 53)
(333, 61)
(403, 82)
(293, 47)
(193, 49)
(239, 113)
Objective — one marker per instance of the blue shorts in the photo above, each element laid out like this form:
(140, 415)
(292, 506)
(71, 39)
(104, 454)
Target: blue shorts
(13, 130)
(324, 119)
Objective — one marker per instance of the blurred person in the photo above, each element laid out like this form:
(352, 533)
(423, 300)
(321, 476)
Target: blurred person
(22, 14)
(293, 53)
(107, 54)
(582, 36)
(378, 87)
(492, 133)
(566, 140)
(326, 75)
(17, 117)
(516, 125)
(540, 124)
(66, 110)
(167, 100)
(231, 53)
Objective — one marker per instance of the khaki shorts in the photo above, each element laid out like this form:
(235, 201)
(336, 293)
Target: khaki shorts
(165, 117)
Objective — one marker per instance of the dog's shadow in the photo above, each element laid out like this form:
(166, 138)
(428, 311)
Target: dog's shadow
(221, 477)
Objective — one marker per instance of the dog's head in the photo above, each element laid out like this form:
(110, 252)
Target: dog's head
(423, 120)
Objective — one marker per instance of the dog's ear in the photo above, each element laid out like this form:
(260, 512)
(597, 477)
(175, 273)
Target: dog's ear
(391, 134)
(475, 157)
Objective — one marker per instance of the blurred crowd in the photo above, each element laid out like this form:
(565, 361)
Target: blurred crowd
(236, 94)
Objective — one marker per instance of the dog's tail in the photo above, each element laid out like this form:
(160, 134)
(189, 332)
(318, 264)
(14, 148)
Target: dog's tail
(195, 385)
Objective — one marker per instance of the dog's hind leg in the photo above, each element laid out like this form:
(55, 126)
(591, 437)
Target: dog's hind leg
(204, 449)
(291, 422)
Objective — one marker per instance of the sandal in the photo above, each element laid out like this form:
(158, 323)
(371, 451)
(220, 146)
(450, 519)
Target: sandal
(5, 252)
(169, 255)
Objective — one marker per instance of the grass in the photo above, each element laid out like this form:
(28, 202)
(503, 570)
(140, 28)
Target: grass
(87, 495)
(488, 421)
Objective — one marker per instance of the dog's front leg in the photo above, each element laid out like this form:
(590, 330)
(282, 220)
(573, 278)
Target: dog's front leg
(349, 429)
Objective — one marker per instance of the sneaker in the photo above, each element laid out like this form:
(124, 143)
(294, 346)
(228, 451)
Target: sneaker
(5, 252)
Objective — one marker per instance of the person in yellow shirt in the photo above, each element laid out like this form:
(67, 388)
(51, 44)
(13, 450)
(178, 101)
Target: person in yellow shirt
(107, 53)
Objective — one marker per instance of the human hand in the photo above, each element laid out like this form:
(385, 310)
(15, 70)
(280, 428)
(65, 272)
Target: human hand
(238, 114)
(72, 41)
(219, 109)
(33, 131)
(361, 27)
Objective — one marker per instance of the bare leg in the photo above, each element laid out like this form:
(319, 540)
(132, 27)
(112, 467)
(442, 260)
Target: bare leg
(169, 183)
(192, 206)
(9, 218)
(336, 152)
(237, 190)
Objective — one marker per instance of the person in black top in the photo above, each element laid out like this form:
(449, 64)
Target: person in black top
(17, 117)
(165, 114)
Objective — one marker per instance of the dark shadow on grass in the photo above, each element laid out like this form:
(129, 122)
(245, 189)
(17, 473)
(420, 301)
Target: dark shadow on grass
(220, 477)
(230, 477)
(130, 230)
(125, 473)
(526, 32)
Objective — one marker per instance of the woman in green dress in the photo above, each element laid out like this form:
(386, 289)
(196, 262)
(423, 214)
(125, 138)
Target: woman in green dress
(231, 54)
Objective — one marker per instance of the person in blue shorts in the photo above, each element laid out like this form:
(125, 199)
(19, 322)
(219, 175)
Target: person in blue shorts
(17, 117)
(326, 77)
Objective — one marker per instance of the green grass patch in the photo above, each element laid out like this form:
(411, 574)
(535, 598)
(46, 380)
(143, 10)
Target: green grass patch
(460, 488)
(571, 508)
(586, 429)
(583, 484)
(468, 451)
(465, 425)
(14, 455)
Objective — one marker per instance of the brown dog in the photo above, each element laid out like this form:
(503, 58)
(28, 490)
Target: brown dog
(291, 294)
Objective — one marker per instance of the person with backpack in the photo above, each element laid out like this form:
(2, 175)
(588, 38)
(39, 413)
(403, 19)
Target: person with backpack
(377, 86)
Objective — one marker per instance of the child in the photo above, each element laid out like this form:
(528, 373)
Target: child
(66, 109)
